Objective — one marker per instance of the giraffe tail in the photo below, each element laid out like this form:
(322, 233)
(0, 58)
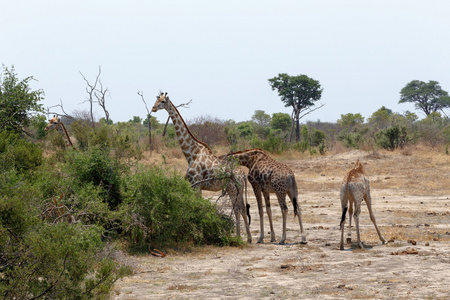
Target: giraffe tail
(247, 206)
(294, 199)
(345, 196)
(344, 212)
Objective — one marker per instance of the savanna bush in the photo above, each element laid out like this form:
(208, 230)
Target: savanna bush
(97, 167)
(56, 262)
(162, 210)
(16, 152)
(49, 260)
(274, 142)
(391, 138)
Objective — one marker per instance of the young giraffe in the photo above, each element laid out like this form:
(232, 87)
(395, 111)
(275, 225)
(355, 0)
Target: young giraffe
(55, 123)
(266, 176)
(204, 166)
(354, 189)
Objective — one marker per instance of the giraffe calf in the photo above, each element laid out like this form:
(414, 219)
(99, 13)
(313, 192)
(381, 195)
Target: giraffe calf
(354, 190)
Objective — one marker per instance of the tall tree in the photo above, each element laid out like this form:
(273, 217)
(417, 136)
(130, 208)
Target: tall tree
(261, 118)
(428, 97)
(381, 118)
(281, 121)
(300, 92)
(17, 100)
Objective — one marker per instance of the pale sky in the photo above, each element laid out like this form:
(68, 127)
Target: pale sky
(221, 54)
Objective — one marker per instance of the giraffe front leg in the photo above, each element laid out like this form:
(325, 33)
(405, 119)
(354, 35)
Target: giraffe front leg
(261, 215)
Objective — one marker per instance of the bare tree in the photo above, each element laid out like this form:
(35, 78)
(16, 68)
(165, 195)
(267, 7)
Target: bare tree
(141, 93)
(96, 91)
(61, 106)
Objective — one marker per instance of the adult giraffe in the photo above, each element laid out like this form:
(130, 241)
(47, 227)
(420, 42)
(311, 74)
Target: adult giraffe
(266, 176)
(204, 167)
(56, 123)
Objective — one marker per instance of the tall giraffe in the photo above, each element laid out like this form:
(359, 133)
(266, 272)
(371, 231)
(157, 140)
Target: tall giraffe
(204, 166)
(354, 189)
(56, 123)
(266, 176)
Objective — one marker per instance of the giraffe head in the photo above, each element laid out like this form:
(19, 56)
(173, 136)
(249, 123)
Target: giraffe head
(53, 123)
(161, 102)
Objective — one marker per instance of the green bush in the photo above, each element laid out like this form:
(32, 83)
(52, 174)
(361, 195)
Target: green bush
(391, 138)
(82, 130)
(318, 137)
(274, 142)
(245, 130)
(354, 139)
(16, 152)
(98, 168)
(162, 210)
(42, 259)
(56, 262)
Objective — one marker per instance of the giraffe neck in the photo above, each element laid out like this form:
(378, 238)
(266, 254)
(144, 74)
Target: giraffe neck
(61, 128)
(248, 158)
(190, 145)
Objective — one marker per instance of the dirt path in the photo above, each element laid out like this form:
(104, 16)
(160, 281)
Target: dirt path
(414, 265)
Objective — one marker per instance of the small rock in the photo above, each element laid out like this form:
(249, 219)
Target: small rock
(287, 267)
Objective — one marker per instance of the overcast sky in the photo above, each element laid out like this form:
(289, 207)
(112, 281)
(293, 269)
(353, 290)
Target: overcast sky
(221, 54)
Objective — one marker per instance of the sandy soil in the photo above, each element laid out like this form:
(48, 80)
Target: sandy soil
(411, 202)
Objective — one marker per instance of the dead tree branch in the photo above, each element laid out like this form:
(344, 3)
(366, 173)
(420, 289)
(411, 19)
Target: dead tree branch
(61, 106)
(141, 93)
(96, 91)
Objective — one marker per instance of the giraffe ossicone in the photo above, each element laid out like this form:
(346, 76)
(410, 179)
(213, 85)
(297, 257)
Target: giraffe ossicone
(204, 166)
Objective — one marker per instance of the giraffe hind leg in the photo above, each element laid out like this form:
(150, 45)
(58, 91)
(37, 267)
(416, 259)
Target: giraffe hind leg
(372, 217)
(344, 204)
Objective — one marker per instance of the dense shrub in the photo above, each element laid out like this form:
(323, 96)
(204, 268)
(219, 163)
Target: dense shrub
(274, 143)
(56, 262)
(391, 138)
(51, 260)
(98, 168)
(161, 209)
(16, 152)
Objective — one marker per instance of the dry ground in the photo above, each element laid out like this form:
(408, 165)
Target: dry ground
(411, 202)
